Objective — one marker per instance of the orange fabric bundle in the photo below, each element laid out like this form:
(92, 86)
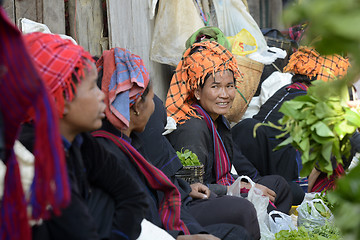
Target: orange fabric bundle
(209, 57)
(307, 61)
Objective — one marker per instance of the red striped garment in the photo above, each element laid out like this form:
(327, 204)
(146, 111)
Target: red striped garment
(222, 163)
(22, 89)
(169, 208)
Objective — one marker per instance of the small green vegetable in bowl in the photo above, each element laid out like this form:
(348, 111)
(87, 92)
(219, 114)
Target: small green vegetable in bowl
(188, 158)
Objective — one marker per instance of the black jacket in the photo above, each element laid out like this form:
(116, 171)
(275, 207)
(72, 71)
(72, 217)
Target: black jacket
(152, 197)
(91, 166)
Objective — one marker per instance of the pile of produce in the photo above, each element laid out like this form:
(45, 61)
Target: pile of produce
(319, 233)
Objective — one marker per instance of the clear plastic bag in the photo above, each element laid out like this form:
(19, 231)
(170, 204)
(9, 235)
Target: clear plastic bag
(309, 215)
(174, 24)
(260, 202)
(280, 222)
(232, 17)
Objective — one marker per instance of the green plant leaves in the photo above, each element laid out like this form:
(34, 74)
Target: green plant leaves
(188, 158)
(319, 126)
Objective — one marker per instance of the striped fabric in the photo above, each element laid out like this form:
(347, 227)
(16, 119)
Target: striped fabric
(298, 86)
(222, 163)
(328, 183)
(169, 208)
(209, 57)
(22, 89)
(125, 78)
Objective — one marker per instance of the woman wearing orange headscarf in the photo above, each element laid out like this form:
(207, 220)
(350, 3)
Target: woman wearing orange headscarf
(201, 92)
(307, 65)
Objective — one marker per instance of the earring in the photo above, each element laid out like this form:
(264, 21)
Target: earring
(198, 98)
(136, 113)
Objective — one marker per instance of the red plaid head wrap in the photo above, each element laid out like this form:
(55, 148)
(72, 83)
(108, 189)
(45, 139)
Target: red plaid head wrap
(211, 57)
(58, 61)
(125, 79)
(307, 61)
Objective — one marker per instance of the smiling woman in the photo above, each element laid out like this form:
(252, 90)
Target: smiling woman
(217, 94)
(201, 91)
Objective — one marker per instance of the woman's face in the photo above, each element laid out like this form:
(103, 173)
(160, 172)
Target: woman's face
(86, 111)
(144, 108)
(217, 94)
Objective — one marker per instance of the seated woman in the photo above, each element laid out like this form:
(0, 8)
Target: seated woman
(306, 65)
(129, 99)
(201, 92)
(70, 75)
(205, 206)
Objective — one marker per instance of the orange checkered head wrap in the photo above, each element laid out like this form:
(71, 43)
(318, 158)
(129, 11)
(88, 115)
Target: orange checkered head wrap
(197, 62)
(307, 61)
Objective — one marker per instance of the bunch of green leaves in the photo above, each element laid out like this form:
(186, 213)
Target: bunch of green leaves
(318, 125)
(327, 200)
(326, 231)
(300, 234)
(347, 211)
(320, 208)
(333, 28)
(188, 158)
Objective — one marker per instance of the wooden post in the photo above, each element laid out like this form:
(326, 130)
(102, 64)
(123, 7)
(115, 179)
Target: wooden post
(54, 15)
(31, 9)
(86, 24)
(276, 10)
(130, 27)
(9, 7)
(254, 9)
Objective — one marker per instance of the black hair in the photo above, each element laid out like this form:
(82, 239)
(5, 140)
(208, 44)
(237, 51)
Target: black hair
(302, 79)
(146, 91)
(100, 76)
(201, 85)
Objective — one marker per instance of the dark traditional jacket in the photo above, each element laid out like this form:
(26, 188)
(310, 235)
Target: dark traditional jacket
(152, 197)
(91, 166)
(196, 136)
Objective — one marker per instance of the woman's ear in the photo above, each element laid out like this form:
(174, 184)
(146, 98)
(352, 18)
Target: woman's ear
(197, 94)
(66, 108)
(136, 108)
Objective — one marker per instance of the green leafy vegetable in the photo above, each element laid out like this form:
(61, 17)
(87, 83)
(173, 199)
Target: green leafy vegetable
(327, 231)
(319, 125)
(334, 28)
(188, 158)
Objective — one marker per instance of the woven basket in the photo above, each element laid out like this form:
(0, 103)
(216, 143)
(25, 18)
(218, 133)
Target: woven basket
(246, 87)
(191, 174)
(279, 43)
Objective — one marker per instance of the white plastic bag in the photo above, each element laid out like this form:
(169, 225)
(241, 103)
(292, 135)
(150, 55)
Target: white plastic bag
(150, 231)
(310, 217)
(175, 22)
(281, 222)
(260, 202)
(232, 17)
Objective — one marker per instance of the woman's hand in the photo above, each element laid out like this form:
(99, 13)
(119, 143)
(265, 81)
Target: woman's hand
(199, 191)
(267, 192)
(197, 237)
(312, 178)
(354, 103)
